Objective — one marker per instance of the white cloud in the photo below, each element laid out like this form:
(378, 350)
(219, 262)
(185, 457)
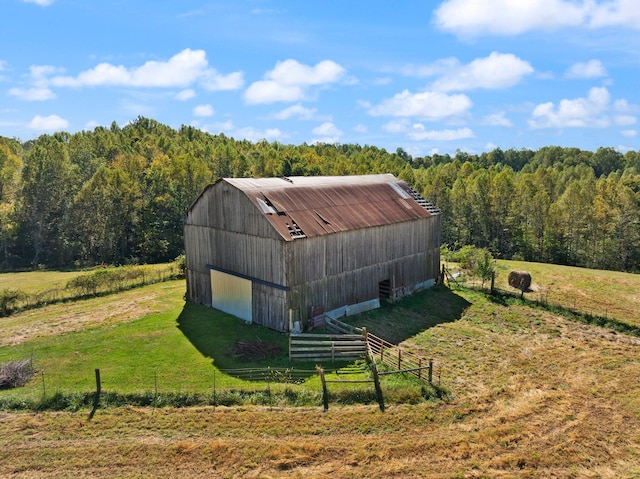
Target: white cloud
(580, 112)
(40, 74)
(48, 123)
(397, 126)
(629, 133)
(623, 13)
(507, 17)
(327, 132)
(184, 95)
(247, 133)
(39, 91)
(420, 133)
(214, 81)
(42, 3)
(427, 105)
(224, 126)
(497, 71)
(270, 92)
(590, 69)
(290, 72)
(327, 129)
(32, 94)
(625, 120)
(513, 17)
(181, 70)
(360, 128)
(497, 119)
(91, 125)
(289, 81)
(297, 111)
(203, 110)
(253, 134)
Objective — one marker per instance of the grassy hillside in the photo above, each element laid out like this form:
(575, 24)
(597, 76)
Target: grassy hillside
(532, 394)
(602, 293)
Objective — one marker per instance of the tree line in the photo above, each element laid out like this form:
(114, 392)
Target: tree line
(118, 195)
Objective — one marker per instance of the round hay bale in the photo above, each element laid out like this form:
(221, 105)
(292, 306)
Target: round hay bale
(520, 280)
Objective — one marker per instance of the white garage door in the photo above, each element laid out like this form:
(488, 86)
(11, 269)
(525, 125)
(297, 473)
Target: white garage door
(231, 294)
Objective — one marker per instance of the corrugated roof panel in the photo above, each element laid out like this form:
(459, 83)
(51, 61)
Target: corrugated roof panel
(325, 205)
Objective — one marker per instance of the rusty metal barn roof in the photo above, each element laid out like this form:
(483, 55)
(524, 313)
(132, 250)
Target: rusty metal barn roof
(307, 206)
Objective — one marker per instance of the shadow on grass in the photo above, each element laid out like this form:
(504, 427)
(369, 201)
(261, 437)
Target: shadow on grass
(396, 322)
(506, 298)
(217, 335)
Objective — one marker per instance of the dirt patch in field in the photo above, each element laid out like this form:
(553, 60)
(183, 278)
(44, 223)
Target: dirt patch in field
(249, 350)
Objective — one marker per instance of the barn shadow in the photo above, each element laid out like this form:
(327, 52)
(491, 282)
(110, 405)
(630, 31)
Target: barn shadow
(216, 335)
(233, 345)
(397, 322)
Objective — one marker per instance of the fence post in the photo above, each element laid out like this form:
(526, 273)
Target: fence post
(325, 393)
(96, 399)
(98, 385)
(399, 358)
(366, 338)
(44, 389)
(376, 383)
(214, 389)
(269, 387)
(430, 370)
(419, 368)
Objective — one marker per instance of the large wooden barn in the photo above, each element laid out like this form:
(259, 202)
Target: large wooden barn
(280, 251)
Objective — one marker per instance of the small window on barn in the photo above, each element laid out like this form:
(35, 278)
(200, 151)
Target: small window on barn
(267, 208)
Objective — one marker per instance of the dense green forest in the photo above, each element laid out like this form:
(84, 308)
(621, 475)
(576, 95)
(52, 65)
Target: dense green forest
(118, 195)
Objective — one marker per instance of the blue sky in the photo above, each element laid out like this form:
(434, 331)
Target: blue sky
(425, 76)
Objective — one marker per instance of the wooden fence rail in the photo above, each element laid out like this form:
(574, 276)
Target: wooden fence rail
(339, 327)
(398, 359)
(331, 347)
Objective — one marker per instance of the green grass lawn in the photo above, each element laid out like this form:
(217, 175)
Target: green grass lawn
(176, 349)
(165, 345)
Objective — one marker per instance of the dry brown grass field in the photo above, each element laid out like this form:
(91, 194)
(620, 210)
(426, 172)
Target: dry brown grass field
(531, 394)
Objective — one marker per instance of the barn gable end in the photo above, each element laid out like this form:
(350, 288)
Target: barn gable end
(274, 251)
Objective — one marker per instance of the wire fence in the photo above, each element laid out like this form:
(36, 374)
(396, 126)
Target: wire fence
(543, 297)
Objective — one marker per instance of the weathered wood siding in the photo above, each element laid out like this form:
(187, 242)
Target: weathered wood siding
(224, 207)
(225, 230)
(270, 307)
(346, 268)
